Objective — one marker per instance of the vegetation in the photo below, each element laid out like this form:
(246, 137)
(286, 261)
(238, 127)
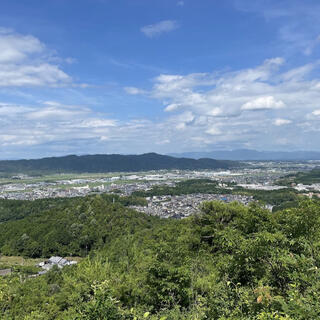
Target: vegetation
(185, 187)
(281, 199)
(68, 226)
(306, 178)
(229, 262)
(18, 209)
(109, 163)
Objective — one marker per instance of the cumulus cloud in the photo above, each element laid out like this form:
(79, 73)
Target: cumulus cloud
(133, 90)
(172, 107)
(97, 123)
(32, 75)
(15, 47)
(281, 122)
(56, 112)
(203, 111)
(263, 103)
(24, 62)
(154, 30)
(50, 122)
(213, 131)
(220, 108)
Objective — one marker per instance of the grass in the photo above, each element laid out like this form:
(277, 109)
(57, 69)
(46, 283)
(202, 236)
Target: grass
(18, 261)
(69, 176)
(27, 262)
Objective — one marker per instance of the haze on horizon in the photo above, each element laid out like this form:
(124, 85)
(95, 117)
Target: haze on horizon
(169, 76)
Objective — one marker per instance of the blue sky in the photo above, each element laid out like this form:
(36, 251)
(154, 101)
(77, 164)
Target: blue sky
(134, 76)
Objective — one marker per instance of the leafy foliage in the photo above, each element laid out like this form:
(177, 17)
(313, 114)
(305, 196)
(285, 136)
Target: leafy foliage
(228, 262)
(185, 187)
(110, 163)
(307, 178)
(68, 226)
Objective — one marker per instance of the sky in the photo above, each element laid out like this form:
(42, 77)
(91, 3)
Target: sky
(166, 76)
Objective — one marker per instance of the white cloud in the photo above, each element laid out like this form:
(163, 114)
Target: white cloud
(32, 75)
(15, 47)
(280, 122)
(172, 107)
(203, 111)
(180, 3)
(25, 61)
(97, 123)
(219, 108)
(133, 90)
(50, 123)
(213, 131)
(263, 103)
(159, 28)
(299, 73)
(297, 22)
(9, 110)
(54, 112)
(166, 141)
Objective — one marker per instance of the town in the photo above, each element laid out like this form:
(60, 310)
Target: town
(179, 207)
(258, 175)
(253, 176)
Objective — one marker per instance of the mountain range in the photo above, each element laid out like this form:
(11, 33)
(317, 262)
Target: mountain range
(110, 163)
(247, 154)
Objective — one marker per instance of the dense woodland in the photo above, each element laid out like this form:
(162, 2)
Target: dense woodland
(65, 227)
(310, 177)
(227, 262)
(109, 163)
(185, 187)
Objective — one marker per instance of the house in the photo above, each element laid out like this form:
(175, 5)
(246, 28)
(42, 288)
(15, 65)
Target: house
(55, 261)
(5, 272)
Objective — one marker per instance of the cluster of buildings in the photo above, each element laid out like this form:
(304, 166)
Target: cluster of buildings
(259, 176)
(125, 184)
(33, 192)
(5, 272)
(46, 266)
(183, 206)
(42, 192)
(258, 186)
(312, 187)
(54, 261)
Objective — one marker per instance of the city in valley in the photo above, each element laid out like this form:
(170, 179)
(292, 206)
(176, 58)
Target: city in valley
(252, 176)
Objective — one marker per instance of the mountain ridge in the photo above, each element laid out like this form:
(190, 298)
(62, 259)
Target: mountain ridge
(248, 154)
(110, 163)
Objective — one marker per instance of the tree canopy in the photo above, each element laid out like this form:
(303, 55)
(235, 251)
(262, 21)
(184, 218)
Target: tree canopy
(227, 262)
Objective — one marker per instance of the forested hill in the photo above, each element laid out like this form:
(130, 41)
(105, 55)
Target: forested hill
(228, 262)
(111, 163)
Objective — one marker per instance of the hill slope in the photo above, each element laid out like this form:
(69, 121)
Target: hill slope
(245, 154)
(111, 163)
(227, 262)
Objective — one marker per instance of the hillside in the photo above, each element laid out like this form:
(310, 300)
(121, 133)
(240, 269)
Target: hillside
(228, 262)
(66, 226)
(307, 178)
(110, 163)
(246, 155)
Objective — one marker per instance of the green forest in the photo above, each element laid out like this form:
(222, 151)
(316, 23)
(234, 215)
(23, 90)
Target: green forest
(227, 262)
(310, 177)
(109, 163)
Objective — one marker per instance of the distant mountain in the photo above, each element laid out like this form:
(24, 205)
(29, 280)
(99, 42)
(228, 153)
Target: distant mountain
(110, 163)
(246, 154)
